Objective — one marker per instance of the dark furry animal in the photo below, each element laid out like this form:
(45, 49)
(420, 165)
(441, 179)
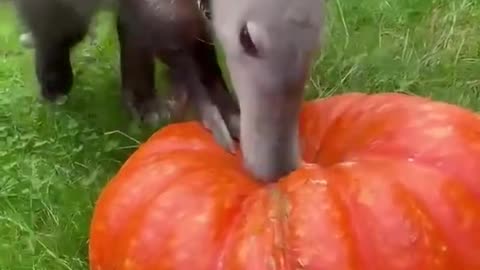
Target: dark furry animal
(174, 31)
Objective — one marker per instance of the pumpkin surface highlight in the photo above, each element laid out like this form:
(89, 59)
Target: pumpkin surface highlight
(389, 181)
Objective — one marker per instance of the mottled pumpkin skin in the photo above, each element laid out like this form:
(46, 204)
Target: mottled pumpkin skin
(389, 182)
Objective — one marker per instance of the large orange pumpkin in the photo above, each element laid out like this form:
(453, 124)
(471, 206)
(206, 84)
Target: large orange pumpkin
(390, 182)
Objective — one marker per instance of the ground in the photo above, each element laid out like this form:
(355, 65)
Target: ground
(55, 160)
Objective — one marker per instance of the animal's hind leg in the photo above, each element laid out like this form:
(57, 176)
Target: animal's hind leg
(138, 75)
(56, 27)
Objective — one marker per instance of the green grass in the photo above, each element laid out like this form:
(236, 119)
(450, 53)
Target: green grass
(55, 160)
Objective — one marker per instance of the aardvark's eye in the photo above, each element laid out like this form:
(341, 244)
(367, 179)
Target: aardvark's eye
(247, 42)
